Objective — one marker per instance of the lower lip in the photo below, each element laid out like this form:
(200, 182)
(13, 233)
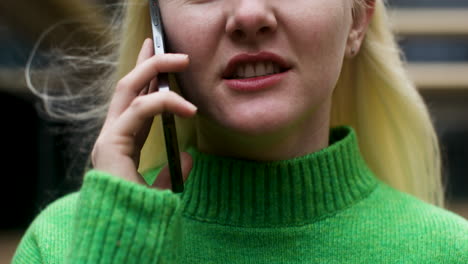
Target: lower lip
(255, 84)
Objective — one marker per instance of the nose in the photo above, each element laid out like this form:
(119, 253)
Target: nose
(250, 20)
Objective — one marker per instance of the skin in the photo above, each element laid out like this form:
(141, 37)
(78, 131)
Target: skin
(273, 124)
(287, 120)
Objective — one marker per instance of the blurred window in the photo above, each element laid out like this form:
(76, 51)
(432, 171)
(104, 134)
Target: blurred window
(13, 51)
(428, 3)
(435, 48)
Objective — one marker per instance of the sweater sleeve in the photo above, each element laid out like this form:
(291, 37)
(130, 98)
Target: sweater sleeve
(114, 221)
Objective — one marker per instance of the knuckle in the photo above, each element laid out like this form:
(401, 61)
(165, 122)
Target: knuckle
(166, 95)
(122, 84)
(171, 96)
(166, 98)
(137, 104)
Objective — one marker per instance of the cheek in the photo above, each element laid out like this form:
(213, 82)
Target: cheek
(321, 38)
(190, 30)
(198, 36)
(319, 27)
(323, 34)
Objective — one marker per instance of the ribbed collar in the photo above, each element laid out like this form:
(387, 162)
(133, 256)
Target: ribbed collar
(292, 192)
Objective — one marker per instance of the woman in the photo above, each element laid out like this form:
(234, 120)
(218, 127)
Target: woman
(275, 98)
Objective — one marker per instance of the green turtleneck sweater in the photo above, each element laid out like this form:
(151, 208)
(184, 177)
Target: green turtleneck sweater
(325, 207)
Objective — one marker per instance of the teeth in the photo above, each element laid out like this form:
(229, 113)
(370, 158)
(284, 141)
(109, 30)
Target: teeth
(240, 71)
(276, 68)
(260, 69)
(251, 70)
(269, 67)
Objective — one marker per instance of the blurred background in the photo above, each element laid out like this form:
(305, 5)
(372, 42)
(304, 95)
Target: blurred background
(433, 35)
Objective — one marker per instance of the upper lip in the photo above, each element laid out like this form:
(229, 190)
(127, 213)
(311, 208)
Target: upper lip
(252, 58)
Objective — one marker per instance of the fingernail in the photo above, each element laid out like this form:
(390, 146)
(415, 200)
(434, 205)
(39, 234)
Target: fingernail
(192, 107)
(181, 56)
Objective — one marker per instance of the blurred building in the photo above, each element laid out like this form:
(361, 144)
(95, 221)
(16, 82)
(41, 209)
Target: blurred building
(34, 154)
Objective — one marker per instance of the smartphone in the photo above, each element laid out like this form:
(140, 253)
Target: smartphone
(168, 122)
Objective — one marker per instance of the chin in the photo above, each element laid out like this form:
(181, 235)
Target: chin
(250, 124)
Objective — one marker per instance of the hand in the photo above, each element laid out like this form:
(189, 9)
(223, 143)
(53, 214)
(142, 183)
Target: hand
(131, 111)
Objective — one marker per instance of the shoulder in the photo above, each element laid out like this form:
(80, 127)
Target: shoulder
(428, 230)
(415, 209)
(48, 236)
(59, 212)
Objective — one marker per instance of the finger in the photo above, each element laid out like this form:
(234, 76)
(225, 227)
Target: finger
(145, 107)
(148, 69)
(163, 181)
(153, 87)
(146, 51)
(144, 91)
(130, 86)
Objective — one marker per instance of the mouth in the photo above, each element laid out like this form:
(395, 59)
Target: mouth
(246, 66)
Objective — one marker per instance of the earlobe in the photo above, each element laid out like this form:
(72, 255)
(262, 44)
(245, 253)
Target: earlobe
(353, 44)
(361, 21)
(352, 50)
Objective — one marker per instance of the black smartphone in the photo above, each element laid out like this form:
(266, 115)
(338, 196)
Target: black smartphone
(168, 122)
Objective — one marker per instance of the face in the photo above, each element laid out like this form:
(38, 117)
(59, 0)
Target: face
(259, 66)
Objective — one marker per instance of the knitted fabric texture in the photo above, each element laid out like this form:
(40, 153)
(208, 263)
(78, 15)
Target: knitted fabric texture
(325, 207)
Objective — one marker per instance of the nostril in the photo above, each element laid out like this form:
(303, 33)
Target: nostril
(238, 33)
(241, 34)
(264, 30)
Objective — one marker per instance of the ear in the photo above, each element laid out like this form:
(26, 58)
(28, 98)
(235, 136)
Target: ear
(362, 15)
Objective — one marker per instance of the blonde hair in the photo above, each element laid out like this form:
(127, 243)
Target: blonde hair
(396, 136)
(374, 95)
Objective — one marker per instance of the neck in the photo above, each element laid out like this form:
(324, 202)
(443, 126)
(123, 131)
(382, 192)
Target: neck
(239, 192)
(308, 136)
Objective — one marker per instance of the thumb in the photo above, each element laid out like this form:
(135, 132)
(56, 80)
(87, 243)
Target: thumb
(163, 181)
